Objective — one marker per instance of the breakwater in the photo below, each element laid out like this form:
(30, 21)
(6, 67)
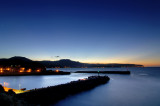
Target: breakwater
(105, 72)
(52, 94)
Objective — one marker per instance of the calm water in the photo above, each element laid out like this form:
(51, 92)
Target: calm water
(140, 88)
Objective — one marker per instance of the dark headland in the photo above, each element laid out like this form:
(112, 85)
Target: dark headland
(21, 66)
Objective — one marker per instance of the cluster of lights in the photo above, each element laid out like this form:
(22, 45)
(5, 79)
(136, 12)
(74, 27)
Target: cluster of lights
(1, 70)
(29, 70)
(21, 70)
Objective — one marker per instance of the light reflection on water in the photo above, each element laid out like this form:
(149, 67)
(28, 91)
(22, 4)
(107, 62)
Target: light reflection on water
(139, 88)
(31, 82)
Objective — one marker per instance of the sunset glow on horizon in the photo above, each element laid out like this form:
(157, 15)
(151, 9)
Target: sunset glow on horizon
(88, 31)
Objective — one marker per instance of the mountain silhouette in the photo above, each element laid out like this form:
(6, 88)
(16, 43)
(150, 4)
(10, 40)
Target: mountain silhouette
(28, 63)
(75, 64)
(18, 61)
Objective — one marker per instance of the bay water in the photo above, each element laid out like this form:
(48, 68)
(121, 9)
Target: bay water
(140, 88)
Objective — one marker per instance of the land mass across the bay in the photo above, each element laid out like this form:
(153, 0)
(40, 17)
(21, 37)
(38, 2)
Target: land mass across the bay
(67, 63)
(18, 66)
(63, 63)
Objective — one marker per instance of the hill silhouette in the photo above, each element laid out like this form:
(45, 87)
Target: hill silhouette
(18, 61)
(62, 63)
(75, 64)
(28, 63)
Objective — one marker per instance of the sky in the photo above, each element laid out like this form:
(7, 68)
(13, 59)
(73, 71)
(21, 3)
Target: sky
(93, 31)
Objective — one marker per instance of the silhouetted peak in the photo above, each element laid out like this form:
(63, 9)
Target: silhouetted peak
(65, 60)
(68, 60)
(19, 58)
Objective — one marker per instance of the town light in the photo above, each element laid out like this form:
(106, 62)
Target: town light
(38, 70)
(7, 69)
(21, 71)
(57, 71)
(29, 70)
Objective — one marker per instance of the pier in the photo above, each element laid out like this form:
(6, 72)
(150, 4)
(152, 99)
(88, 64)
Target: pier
(105, 72)
(52, 94)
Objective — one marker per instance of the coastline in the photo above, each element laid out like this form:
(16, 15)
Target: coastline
(35, 74)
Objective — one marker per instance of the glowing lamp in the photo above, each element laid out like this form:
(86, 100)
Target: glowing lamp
(8, 69)
(38, 70)
(1, 69)
(21, 71)
(57, 71)
(29, 70)
(83, 79)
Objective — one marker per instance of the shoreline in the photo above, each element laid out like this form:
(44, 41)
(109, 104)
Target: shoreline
(35, 74)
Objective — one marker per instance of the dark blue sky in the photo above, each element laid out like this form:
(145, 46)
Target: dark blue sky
(98, 31)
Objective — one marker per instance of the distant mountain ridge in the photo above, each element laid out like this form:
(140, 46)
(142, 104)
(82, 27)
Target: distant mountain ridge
(76, 64)
(63, 63)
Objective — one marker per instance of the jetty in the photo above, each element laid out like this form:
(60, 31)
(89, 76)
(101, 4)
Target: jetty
(52, 94)
(105, 72)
